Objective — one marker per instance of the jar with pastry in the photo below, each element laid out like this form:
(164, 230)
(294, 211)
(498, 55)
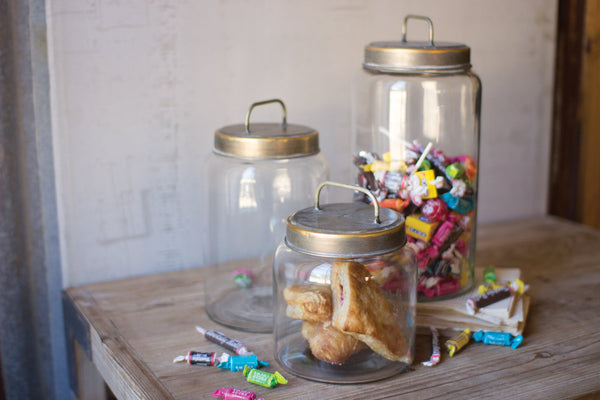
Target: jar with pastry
(345, 292)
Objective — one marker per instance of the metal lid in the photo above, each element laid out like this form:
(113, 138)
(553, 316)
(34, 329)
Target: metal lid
(416, 56)
(266, 140)
(345, 229)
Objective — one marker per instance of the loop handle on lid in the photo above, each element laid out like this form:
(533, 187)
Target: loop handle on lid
(260, 103)
(426, 19)
(350, 187)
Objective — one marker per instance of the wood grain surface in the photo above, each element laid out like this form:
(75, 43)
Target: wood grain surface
(138, 325)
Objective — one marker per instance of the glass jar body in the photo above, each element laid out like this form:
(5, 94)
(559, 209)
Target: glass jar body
(396, 118)
(325, 347)
(248, 202)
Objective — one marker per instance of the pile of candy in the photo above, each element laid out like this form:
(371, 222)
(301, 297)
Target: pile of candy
(244, 361)
(436, 194)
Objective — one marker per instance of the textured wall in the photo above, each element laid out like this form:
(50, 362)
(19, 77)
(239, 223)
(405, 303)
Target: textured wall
(138, 88)
(32, 343)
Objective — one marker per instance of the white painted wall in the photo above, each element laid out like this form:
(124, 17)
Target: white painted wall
(139, 86)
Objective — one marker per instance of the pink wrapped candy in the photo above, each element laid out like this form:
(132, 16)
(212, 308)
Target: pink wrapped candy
(235, 394)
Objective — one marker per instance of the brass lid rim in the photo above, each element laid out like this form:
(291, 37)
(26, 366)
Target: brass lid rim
(399, 57)
(271, 143)
(345, 254)
(332, 243)
(417, 68)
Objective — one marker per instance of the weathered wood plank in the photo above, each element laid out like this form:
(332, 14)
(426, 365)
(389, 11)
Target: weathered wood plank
(140, 324)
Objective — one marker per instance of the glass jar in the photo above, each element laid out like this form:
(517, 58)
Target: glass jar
(416, 147)
(345, 289)
(258, 174)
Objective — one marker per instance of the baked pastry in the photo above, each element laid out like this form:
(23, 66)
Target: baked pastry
(308, 302)
(328, 344)
(361, 310)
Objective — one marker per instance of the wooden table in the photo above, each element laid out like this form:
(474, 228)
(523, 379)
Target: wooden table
(132, 329)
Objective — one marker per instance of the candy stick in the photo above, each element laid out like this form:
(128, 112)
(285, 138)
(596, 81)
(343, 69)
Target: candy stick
(423, 155)
(222, 340)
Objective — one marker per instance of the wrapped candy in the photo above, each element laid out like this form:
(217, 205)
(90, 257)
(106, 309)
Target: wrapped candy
(436, 194)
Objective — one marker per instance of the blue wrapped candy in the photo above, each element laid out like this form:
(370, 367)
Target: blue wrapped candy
(498, 338)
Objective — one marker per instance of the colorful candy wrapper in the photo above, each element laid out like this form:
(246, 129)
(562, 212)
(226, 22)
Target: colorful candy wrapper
(222, 340)
(263, 378)
(498, 338)
(243, 278)
(237, 363)
(435, 344)
(458, 342)
(490, 297)
(201, 358)
(235, 394)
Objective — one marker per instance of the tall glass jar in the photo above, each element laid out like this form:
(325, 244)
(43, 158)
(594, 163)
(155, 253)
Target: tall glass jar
(416, 147)
(345, 287)
(257, 174)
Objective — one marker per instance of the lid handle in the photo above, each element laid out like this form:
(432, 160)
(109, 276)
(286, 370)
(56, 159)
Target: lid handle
(261, 103)
(350, 187)
(426, 19)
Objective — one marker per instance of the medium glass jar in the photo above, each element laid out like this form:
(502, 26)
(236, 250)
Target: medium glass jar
(257, 174)
(416, 147)
(345, 287)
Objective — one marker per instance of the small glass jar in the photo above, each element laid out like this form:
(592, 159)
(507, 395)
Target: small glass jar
(257, 175)
(345, 287)
(416, 147)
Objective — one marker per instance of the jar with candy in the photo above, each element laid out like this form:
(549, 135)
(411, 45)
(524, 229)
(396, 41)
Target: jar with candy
(416, 148)
(257, 174)
(345, 287)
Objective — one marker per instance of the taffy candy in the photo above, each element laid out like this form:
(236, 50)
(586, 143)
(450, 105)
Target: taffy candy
(235, 394)
(237, 363)
(485, 299)
(201, 358)
(498, 338)
(458, 342)
(223, 340)
(263, 378)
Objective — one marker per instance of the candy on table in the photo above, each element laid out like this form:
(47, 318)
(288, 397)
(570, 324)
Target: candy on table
(235, 394)
(458, 342)
(242, 277)
(237, 363)
(223, 340)
(435, 345)
(263, 378)
(498, 338)
(201, 358)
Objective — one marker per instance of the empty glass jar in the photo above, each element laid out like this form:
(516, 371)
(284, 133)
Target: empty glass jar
(257, 175)
(345, 286)
(416, 148)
